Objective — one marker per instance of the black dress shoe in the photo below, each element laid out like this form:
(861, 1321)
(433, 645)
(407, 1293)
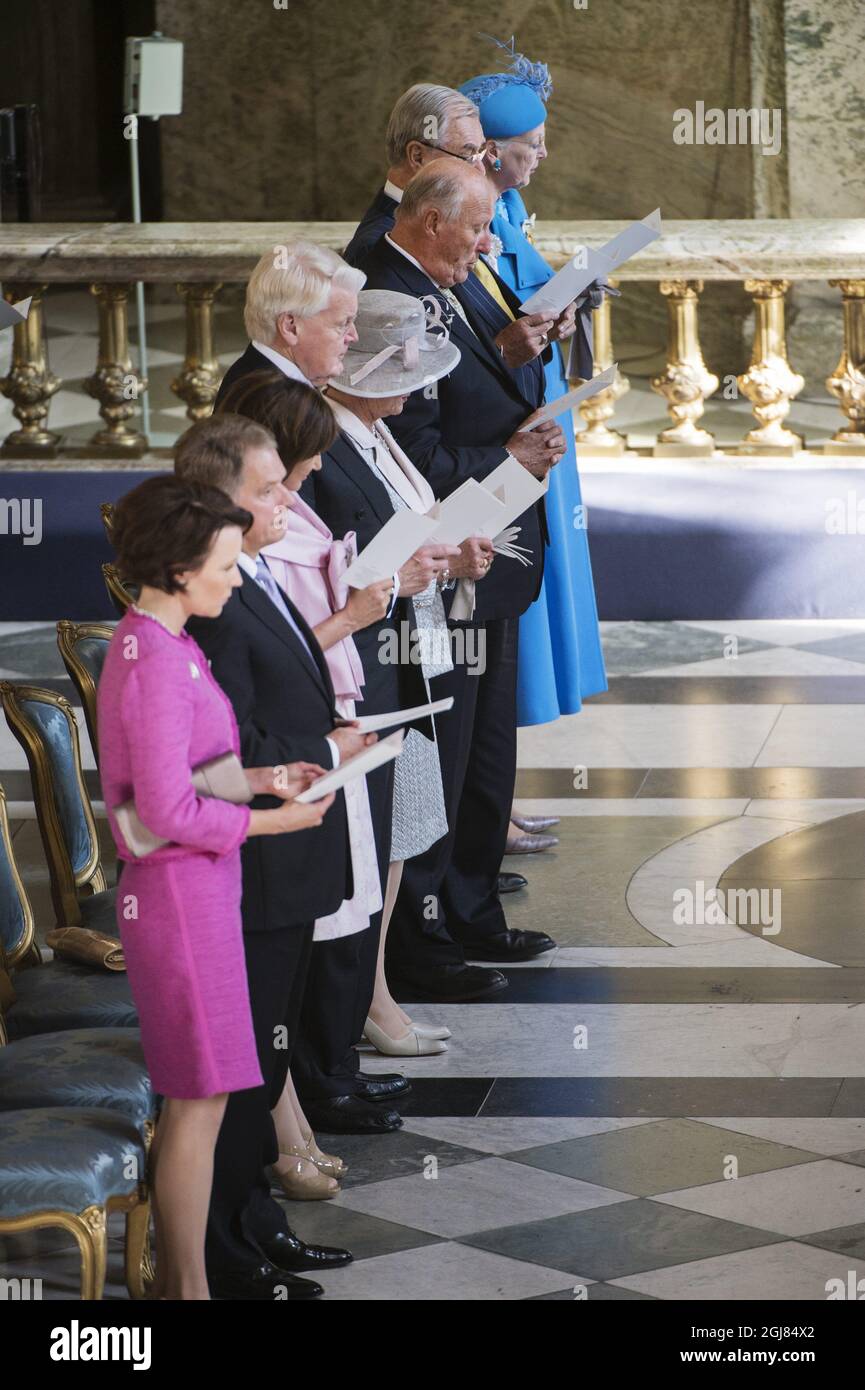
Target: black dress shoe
(534, 825)
(265, 1284)
(509, 945)
(350, 1115)
(456, 985)
(287, 1251)
(388, 1086)
(509, 883)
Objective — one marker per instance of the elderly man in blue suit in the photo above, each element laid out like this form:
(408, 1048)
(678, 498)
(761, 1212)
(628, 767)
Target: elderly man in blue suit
(448, 908)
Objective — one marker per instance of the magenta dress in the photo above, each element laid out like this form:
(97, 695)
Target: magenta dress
(160, 714)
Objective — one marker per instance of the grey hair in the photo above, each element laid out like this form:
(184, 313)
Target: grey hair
(424, 113)
(436, 187)
(294, 278)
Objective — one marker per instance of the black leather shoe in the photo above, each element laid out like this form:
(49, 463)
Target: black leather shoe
(388, 1086)
(350, 1115)
(265, 1284)
(509, 883)
(287, 1251)
(456, 985)
(509, 945)
(534, 825)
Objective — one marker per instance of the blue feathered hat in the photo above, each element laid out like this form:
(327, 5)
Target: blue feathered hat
(510, 103)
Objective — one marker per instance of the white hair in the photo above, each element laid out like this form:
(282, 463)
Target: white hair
(424, 113)
(294, 278)
(439, 185)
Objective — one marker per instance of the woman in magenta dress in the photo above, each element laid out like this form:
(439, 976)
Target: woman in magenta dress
(161, 714)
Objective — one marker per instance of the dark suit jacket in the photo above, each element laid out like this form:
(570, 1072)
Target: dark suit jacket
(459, 431)
(251, 360)
(378, 219)
(348, 496)
(284, 707)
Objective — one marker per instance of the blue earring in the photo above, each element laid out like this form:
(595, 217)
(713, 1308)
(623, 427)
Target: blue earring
(497, 164)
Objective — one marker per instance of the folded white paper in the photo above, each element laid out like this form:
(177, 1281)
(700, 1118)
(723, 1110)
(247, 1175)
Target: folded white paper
(516, 489)
(572, 398)
(466, 512)
(11, 314)
(587, 265)
(374, 723)
(384, 751)
(400, 537)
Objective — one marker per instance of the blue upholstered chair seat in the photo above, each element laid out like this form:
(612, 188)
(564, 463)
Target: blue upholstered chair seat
(66, 1160)
(98, 912)
(101, 1067)
(60, 994)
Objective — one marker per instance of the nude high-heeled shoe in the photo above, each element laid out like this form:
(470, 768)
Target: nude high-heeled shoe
(303, 1186)
(326, 1163)
(412, 1045)
(429, 1030)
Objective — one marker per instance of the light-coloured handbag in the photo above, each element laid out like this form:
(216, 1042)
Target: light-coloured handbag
(222, 778)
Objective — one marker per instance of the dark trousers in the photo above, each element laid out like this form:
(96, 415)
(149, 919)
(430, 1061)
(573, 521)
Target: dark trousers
(341, 982)
(242, 1211)
(448, 894)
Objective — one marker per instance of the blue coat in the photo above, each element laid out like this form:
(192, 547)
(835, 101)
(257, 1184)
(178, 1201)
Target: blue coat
(560, 656)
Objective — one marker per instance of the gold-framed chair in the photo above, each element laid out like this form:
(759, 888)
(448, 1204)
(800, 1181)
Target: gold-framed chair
(48, 1179)
(121, 594)
(48, 996)
(44, 724)
(82, 647)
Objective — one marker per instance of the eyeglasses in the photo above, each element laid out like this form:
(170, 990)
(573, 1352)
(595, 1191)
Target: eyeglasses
(466, 158)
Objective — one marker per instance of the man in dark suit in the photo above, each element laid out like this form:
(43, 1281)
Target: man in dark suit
(448, 907)
(267, 660)
(306, 342)
(427, 122)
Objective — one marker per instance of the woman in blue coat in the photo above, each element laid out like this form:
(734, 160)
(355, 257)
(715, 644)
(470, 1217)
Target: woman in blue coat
(560, 656)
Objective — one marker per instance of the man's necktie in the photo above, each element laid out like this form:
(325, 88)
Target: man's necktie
(265, 580)
(488, 280)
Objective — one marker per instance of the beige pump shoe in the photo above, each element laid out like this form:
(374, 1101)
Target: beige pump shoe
(326, 1163)
(303, 1186)
(412, 1045)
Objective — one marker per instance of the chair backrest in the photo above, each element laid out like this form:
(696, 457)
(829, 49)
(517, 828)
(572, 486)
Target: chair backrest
(45, 726)
(106, 511)
(83, 647)
(17, 931)
(120, 593)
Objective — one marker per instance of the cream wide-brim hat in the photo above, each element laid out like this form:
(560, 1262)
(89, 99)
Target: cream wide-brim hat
(395, 353)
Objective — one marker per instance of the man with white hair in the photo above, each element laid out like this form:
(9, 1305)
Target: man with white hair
(428, 122)
(465, 429)
(301, 303)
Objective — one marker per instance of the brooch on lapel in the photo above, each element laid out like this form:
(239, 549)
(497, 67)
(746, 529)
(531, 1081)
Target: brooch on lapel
(194, 671)
(498, 247)
(528, 229)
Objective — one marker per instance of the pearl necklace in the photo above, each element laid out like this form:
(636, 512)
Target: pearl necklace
(144, 613)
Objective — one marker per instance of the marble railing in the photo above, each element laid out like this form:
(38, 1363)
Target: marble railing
(199, 258)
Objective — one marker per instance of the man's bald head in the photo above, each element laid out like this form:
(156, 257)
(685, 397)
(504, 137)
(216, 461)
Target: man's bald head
(443, 219)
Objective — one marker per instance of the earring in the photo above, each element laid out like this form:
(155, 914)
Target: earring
(497, 164)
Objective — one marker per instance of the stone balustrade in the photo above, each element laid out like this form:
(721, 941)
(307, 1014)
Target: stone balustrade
(199, 258)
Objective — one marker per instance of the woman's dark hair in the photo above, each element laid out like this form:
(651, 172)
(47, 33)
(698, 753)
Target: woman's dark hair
(296, 414)
(167, 525)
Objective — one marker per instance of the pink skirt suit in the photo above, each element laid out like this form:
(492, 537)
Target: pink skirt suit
(161, 713)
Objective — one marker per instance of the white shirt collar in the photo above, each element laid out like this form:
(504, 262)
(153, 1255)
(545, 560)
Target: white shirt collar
(351, 425)
(285, 364)
(392, 191)
(388, 238)
(246, 563)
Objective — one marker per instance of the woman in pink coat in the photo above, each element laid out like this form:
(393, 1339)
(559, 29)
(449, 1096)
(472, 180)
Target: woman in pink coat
(161, 714)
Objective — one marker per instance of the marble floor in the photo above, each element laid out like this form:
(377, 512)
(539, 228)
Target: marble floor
(672, 1104)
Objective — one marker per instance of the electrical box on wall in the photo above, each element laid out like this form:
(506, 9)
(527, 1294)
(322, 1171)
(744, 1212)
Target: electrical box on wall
(154, 76)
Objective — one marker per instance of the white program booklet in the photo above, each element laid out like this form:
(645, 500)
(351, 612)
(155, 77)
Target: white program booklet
(587, 265)
(466, 512)
(404, 533)
(384, 751)
(516, 489)
(571, 398)
(374, 723)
